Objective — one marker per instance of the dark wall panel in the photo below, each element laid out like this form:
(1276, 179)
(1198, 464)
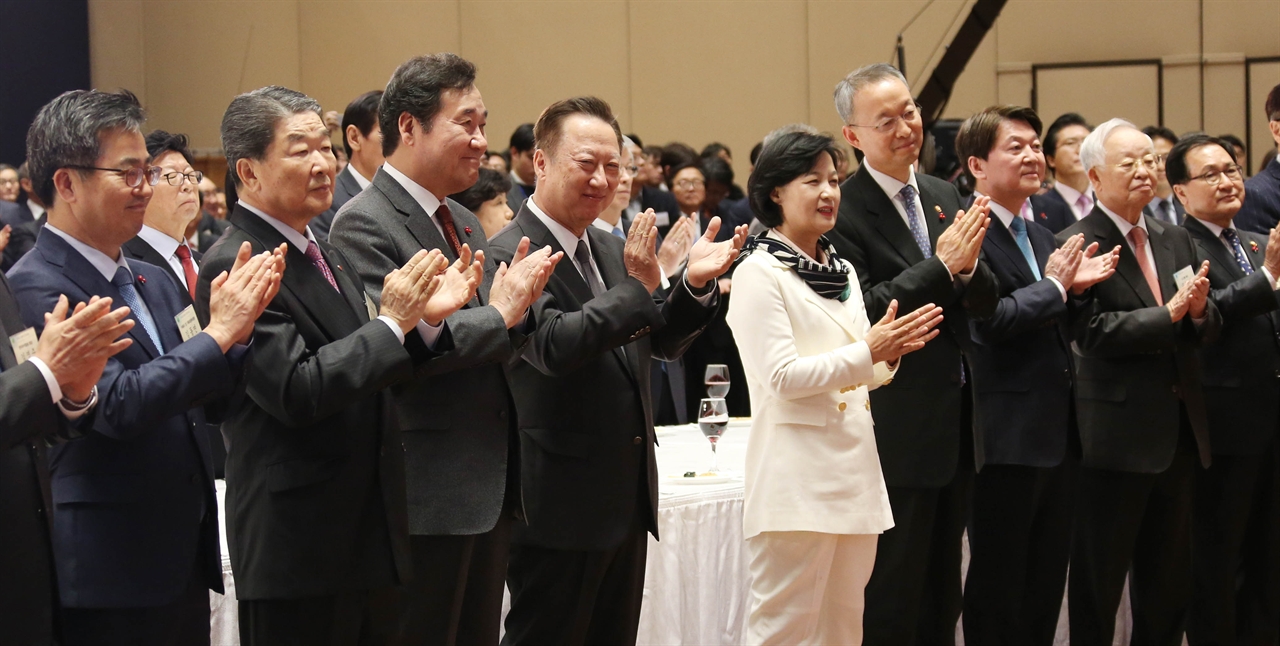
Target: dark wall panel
(44, 51)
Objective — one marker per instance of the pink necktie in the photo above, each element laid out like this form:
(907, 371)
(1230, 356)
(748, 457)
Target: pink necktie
(1138, 236)
(1026, 212)
(313, 254)
(1085, 203)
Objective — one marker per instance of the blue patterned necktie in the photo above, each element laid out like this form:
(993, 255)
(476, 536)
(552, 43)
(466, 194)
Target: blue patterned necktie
(124, 282)
(1019, 228)
(617, 231)
(1233, 239)
(908, 195)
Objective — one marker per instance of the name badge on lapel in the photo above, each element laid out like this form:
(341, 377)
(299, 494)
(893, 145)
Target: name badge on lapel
(368, 304)
(1184, 276)
(661, 218)
(188, 324)
(24, 344)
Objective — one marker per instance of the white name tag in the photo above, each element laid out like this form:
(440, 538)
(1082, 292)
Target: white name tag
(1184, 276)
(373, 311)
(188, 324)
(24, 344)
(661, 218)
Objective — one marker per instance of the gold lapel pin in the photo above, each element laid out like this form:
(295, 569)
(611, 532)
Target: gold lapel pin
(1253, 244)
(941, 215)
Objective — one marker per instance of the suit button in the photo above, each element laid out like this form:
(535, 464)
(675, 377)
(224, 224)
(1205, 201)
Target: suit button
(842, 406)
(637, 440)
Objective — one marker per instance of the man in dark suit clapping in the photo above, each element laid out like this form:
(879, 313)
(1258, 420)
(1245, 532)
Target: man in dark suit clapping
(135, 520)
(1234, 537)
(458, 415)
(1020, 531)
(315, 470)
(582, 390)
(1139, 401)
(909, 239)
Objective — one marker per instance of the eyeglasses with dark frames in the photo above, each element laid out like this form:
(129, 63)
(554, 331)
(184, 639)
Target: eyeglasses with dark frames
(1214, 177)
(174, 178)
(132, 176)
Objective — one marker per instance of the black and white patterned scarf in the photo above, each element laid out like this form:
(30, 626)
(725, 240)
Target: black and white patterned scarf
(828, 281)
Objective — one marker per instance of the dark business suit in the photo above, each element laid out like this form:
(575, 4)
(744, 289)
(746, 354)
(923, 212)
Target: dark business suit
(926, 451)
(458, 421)
(28, 418)
(661, 202)
(11, 216)
(135, 519)
(22, 239)
(1261, 209)
(1141, 414)
(1052, 214)
(518, 193)
(209, 230)
(1236, 496)
(315, 471)
(140, 249)
(1020, 530)
(345, 187)
(586, 443)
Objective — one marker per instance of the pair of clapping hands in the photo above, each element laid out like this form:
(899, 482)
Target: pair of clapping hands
(429, 288)
(76, 347)
(704, 258)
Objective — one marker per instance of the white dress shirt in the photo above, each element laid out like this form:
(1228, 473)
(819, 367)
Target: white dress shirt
(167, 247)
(1072, 197)
(893, 188)
(301, 242)
(360, 180)
(1125, 228)
(36, 210)
(1006, 218)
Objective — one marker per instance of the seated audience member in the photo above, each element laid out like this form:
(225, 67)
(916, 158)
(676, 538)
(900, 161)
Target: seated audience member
(487, 199)
(1062, 154)
(520, 152)
(1237, 145)
(576, 573)
(815, 499)
(213, 215)
(316, 506)
(135, 515)
(652, 174)
(32, 208)
(1261, 210)
(1164, 205)
(1235, 541)
(10, 186)
(646, 196)
(23, 224)
(1139, 401)
(676, 155)
(362, 143)
(689, 186)
(721, 151)
(43, 402)
(719, 200)
(496, 161)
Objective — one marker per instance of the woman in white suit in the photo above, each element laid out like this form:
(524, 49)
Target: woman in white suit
(815, 497)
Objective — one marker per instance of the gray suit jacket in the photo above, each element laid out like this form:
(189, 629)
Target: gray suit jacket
(345, 187)
(457, 415)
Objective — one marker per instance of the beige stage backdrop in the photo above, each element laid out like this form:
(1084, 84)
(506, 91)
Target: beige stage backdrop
(695, 70)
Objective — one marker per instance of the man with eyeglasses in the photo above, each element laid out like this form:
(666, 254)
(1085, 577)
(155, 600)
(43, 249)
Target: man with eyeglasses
(909, 239)
(1236, 495)
(174, 204)
(135, 516)
(1139, 401)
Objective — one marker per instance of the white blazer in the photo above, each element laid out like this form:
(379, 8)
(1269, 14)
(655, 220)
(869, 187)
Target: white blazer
(812, 463)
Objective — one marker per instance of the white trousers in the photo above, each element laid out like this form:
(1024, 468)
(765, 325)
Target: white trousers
(807, 587)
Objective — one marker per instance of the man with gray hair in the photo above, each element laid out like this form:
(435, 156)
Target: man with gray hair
(135, 518)
(1139, 402)
(315, 469)
(461, 451)
(910, 239)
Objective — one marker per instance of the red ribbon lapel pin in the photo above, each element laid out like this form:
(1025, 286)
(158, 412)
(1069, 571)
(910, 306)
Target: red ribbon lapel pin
(1253, 244)
(941, 215)
(467, 229)
(142, 279)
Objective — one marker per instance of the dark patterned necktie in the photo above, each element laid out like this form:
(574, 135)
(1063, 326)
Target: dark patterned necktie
(908, 195)
(450, 233)
(1233, 239)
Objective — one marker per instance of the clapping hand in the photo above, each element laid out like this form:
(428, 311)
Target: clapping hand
(961, 244)
(1064, 262)
(517, 286)
(1192, 297)
(405, 291)
(1095, 269)
(639, 251)
(676, 245)
(892, 337)
(457, 287)
(236, 299)
(76, 349)
(709, 259)
(1272, 259)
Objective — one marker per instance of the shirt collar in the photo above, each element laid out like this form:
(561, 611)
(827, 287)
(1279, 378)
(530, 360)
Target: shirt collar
(515, 179)
(1215, 229)
(1069, 194)
(605, 226)
(892, 186)
(428, 201)
(360, 180)
(568, 241)
(100, 261)
(1157, 200)
(1005, 215)
(160, 241)
(1122, 223)
(291, 235)
(36, 209)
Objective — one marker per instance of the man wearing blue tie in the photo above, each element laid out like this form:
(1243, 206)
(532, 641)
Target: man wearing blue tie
(1020, 529)
(135, 528)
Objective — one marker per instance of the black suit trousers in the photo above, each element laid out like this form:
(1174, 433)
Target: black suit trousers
(455, 596)
(1235, 551)
(1135, 524)
(1019, 544)
(357, 618)
(573, 598)
(181, 622)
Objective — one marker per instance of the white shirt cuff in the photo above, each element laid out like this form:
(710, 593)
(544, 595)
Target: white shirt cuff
(1061, 290)
(431, 333)
(55, 391)
(705, 299)
(1271, 279)
(394, 327)
(666, 282)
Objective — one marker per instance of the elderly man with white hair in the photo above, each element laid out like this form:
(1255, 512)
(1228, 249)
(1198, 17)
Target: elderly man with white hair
(1139, 401)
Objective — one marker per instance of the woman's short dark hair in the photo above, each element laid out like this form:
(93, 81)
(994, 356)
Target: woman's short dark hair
(1175, 166)
(160, 142)
(489, 185)
(788, 153)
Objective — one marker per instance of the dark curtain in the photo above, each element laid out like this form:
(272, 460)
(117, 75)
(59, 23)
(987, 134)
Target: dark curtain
(44, 51)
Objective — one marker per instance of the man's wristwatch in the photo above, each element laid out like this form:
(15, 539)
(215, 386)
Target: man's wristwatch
(75, 407)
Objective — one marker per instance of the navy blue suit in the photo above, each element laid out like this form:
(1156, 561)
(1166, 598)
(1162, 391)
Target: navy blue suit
(134, 508)
(1052, 214)
(1020, 529)
(1261, 209)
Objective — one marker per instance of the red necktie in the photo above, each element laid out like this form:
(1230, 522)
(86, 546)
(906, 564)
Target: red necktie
(188, 268)
(450, 233)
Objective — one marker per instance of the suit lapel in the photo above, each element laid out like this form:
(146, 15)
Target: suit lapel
(1002, 238)
(566, 270)
(887, 219)
(353, 294)
(612, 271)
(1108, 237)
(81, 272)
(1217, 249)
(935, 217)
